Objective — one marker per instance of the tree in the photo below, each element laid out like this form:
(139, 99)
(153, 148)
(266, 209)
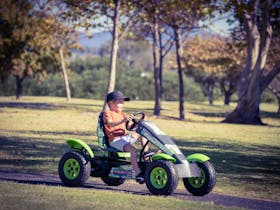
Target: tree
(129, 12)
(29, 43)
(119, 15)
(147, 25)
(157, 80)
(21, 45)
(13, 42)
(212, 61)
(182, 17)
(256, 18)
(273, 58)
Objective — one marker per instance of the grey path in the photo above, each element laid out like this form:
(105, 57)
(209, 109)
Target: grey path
(134, 188)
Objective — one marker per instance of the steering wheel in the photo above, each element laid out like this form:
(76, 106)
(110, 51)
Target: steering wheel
(131, 125)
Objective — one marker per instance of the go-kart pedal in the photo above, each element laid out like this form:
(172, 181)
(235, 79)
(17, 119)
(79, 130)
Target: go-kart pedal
(140, 178)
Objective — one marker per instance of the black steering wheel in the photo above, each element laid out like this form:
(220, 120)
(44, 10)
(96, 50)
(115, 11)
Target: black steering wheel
(131, 125)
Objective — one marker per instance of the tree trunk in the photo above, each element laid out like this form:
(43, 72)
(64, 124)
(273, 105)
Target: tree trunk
(278, 106)
(161, 57)
(208, 86)
(157, 106)
(274, 87)
(247, 110)
(114, 52)
(18, 87)
(227, 88)
(251, 83)
(210, 96)
(227, 98)
(179, 52)
(65, 76)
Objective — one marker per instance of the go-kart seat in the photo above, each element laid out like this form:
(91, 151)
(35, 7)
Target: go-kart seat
(103, 141)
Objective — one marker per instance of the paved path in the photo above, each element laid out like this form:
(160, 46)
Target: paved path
(134, 188)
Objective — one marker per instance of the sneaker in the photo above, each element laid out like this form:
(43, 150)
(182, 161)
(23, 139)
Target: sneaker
(148, 153)
(140, 179)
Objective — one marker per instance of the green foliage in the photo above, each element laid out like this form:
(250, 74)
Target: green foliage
(268, 97)
(30, 38)
(8, 87)
(171, 88)
(88, 80)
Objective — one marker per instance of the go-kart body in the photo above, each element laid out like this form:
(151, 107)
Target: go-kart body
(162, 170)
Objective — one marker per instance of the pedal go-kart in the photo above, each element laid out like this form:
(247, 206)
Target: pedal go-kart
(161, 170)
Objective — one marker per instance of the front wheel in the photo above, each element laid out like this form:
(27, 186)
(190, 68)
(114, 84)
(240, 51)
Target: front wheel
(161, 177)
(74, 169)
(199, 186)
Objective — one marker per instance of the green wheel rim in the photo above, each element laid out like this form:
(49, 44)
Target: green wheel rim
(197, 182)
(71, 168)
(158, 177)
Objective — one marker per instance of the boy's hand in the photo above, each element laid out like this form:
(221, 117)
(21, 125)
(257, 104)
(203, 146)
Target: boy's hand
(129, 117)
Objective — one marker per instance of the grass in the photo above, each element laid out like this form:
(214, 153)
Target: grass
(246, 157)
(45, 197)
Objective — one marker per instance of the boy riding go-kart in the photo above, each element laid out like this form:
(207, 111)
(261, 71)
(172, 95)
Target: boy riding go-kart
(161, 170)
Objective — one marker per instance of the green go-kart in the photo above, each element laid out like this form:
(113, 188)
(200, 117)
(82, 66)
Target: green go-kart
(161, 170)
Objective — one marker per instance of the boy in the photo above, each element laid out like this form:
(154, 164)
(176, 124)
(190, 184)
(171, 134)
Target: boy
(114, 125)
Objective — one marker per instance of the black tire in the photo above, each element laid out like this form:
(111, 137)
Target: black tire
(74, 169)
(113, 181)
(200, 186)
(161, 177)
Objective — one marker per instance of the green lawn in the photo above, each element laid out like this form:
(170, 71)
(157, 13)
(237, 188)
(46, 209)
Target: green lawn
(246, 157)
(21, 196)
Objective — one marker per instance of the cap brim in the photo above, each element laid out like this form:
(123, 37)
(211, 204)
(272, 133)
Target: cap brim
(121, 98)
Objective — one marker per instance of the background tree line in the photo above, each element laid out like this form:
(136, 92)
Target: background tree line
(135, 76)
(87, 81)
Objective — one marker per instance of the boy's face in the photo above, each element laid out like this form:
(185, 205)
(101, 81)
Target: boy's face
(116, 105)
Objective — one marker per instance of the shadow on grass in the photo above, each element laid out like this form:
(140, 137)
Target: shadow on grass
(249, 163)
(24, 105)
(50, 106)
(28, 148)
(29, 153)
(263, 114)
(211, 114)
(266, 114)
(33, 153)
(52, 133)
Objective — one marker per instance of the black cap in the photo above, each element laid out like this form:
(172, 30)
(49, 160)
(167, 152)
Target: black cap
(116, 95)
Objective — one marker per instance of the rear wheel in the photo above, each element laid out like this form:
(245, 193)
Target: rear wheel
(202, 185)
(161, 177)
(73, 169)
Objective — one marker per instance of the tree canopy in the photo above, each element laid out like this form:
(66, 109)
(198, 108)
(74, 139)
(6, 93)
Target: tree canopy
(31, 36)
(214, 61)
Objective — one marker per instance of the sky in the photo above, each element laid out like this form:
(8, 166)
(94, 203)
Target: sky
(218, 25)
